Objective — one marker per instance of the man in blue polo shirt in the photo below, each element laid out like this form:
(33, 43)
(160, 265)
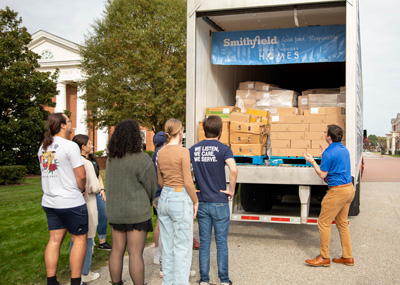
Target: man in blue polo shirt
(335, 167)
(208, 158)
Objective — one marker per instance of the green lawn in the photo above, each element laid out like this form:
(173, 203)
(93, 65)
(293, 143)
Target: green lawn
(24, 235)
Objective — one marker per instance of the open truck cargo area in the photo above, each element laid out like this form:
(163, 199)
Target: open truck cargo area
(264, 190)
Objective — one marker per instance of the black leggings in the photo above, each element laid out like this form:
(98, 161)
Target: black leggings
(135, 240)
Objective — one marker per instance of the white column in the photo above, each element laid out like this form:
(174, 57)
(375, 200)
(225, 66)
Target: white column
(81, 125)
(61, 98)
(102, 138)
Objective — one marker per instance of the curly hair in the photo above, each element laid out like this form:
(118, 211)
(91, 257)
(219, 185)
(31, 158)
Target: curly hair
(125, 139)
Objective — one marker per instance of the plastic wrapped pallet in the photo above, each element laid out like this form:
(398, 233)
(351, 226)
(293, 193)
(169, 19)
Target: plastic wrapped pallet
(278, 99)
(245, 103)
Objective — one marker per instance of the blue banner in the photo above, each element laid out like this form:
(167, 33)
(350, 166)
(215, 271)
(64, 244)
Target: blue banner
(283, 46)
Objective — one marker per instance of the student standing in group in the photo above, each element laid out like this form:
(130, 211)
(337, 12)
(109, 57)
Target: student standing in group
(63, 182)
(209, 158)
(92, 188)
(335, 167)
(131, 185)
(177, 206)
(158, 140)
(101, 208)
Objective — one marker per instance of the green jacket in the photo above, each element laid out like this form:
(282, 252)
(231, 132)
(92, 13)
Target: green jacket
(131, 185)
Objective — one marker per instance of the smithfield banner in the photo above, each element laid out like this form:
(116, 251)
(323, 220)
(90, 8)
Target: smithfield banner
(281, 46)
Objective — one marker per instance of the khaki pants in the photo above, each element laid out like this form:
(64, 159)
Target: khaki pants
(335, 206)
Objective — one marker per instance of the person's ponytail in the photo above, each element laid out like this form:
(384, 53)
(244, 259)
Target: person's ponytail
(53, 126)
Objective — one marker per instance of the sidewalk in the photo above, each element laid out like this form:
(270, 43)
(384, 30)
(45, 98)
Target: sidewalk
(152, 271)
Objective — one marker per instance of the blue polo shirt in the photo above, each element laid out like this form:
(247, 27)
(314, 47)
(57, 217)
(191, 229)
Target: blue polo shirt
(208, 160)
(336, 161)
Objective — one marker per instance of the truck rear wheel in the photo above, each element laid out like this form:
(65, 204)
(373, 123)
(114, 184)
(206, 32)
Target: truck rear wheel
(255, 197)
(355, 205)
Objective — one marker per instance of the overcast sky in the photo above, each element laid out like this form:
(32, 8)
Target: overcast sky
(380, 40)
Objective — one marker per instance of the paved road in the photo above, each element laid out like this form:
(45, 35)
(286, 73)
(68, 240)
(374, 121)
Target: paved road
(381, 168)
(275, 253)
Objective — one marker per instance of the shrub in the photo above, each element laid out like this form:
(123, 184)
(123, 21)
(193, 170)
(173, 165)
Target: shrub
(99, 153)
(390, 152)
(12, 174)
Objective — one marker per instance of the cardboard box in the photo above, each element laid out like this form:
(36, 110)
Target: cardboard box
(242, 138)
(326, 100)
(316, 143)
(321, 91)
(255, 119)
(298, 127)
(287, 119)
(287, 152)
(300, 144)
(249, 149)
(314, 152)
(257, 112)
(261, 86)
(286, 111)
(314, 119)
(325, 111)
(252, 128)
(240, 117)
(248, 93)
(246, 85)
(245, 103)
(317, 127)
(225, 126)
(280, 127)
(221, 110)
(302, 101)
(287, 136)
(225, 138)
(201, 135)
(342, 89)
(314, 135)
(335, 119)
(280, 144)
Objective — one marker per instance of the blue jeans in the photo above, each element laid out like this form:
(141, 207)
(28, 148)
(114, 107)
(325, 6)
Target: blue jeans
(175, 214)
(88, 257)
(217, 215)
(102, 225)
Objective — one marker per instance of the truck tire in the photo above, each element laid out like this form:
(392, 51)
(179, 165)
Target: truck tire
(255, 198)
(355, 205)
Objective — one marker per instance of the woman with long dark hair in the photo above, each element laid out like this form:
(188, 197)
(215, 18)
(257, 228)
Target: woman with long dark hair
(131, 185)
(92, 188)
(177, 206)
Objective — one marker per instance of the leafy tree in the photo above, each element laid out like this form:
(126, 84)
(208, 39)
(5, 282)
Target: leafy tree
(23, 93)
(373, 139)
(135, 63)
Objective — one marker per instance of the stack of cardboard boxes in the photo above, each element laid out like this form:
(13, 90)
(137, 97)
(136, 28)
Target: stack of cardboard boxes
(225, 114)
(248, 138)
(293, 134)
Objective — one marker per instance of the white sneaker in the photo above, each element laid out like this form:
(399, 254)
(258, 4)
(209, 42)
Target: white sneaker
(227, 283)
(204, 283)
(192, 273)
(90, 277)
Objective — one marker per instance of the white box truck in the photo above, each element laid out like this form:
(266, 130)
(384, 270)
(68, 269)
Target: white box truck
(266, 192)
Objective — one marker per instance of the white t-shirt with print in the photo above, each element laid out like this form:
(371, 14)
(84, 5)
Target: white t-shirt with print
(60, 190)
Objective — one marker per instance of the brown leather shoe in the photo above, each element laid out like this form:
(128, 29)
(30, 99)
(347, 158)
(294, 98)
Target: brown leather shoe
(319, 261)
(345, 261)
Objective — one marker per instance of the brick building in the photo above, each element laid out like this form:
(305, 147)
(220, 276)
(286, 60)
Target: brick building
(60, 53)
